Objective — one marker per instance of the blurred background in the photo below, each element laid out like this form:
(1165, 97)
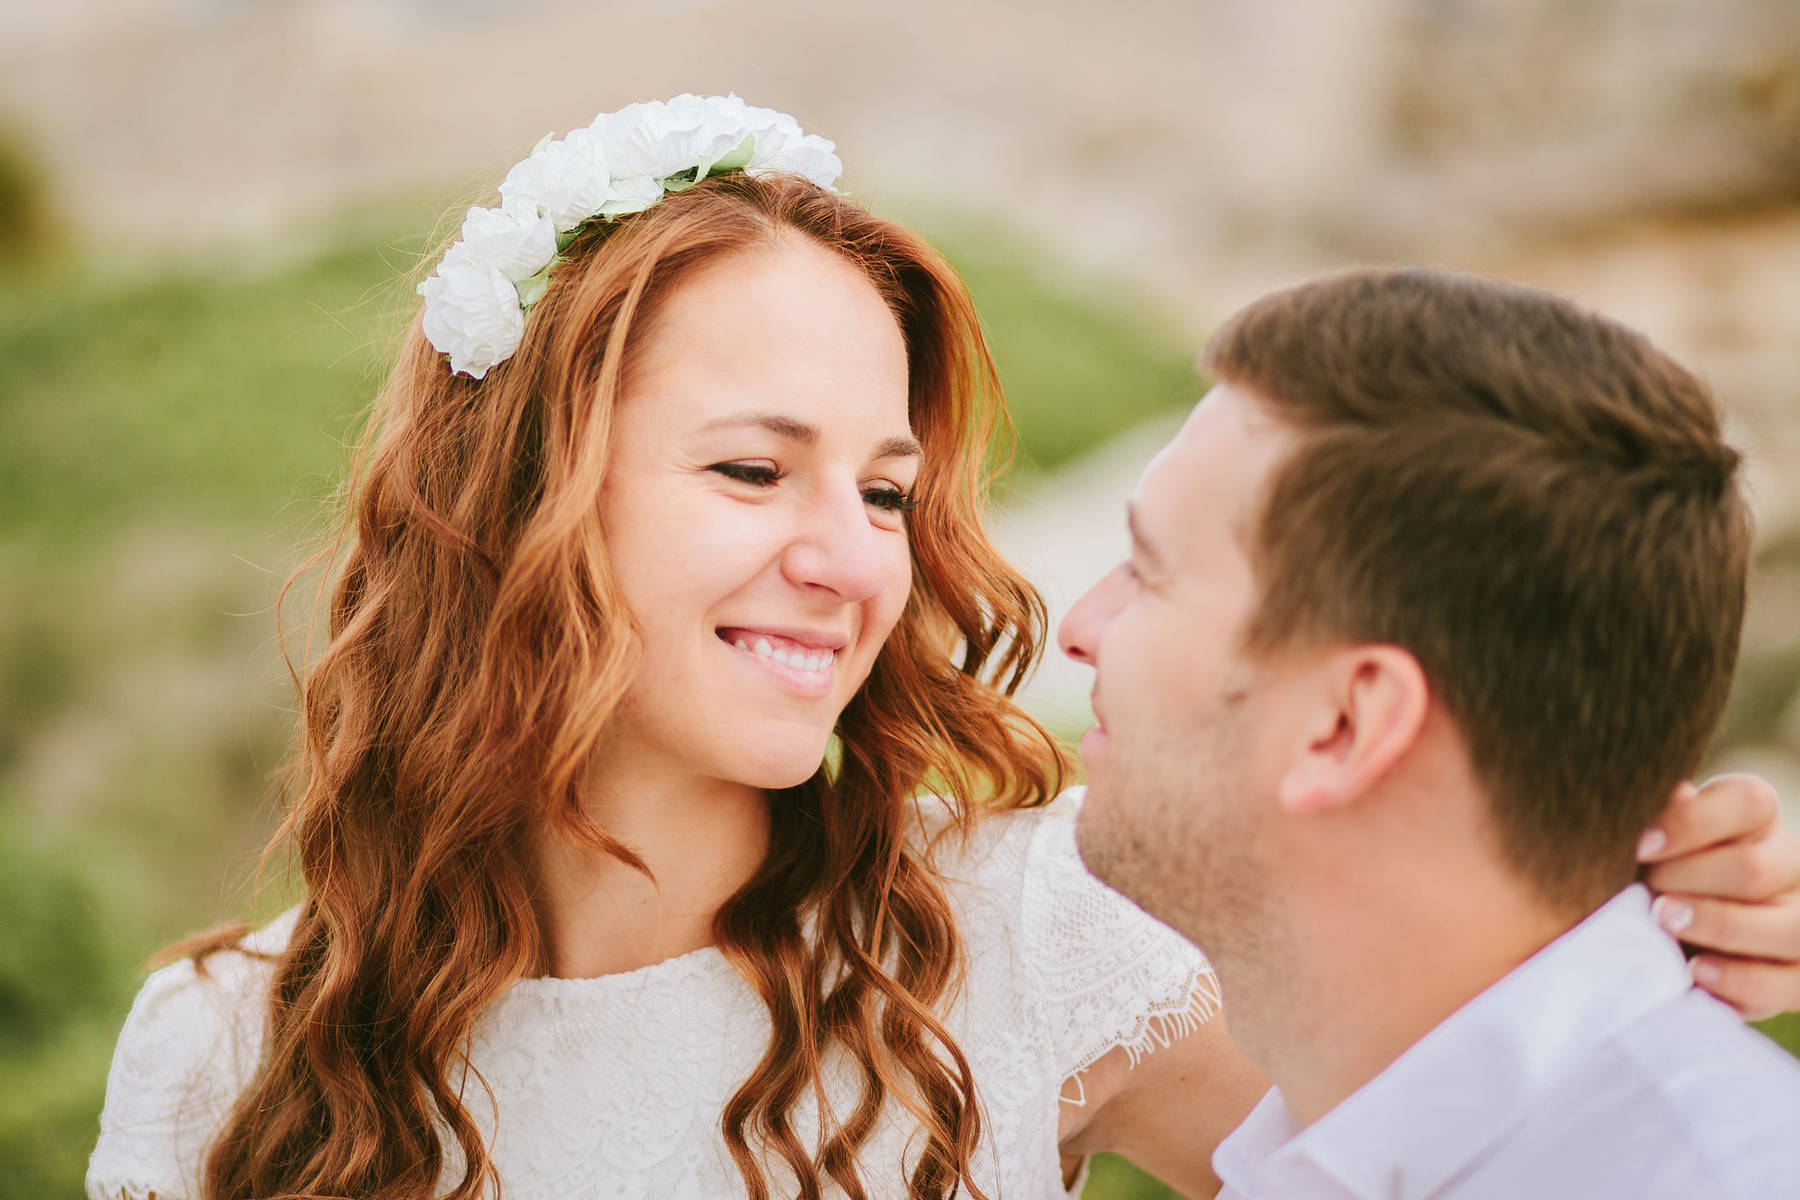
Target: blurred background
(208, 210)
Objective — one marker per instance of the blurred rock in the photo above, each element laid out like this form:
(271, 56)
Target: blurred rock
(27, 223)
(1546, 112)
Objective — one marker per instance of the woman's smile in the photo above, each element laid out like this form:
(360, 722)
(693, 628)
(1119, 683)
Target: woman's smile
(801, 661)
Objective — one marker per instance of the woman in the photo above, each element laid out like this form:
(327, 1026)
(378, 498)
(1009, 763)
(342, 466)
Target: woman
(659, 605)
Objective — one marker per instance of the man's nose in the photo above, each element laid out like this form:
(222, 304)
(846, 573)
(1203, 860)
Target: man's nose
(1079, 633)
(839, 549)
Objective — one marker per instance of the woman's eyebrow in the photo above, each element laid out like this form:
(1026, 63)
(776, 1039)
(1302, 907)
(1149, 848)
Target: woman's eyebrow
(900, 447)
(775, 423)
(808, 435)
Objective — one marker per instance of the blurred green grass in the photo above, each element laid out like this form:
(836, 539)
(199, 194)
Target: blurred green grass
(168, 436)
(197, 398)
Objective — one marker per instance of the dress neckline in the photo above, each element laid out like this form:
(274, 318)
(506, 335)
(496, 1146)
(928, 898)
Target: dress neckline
(680, 967)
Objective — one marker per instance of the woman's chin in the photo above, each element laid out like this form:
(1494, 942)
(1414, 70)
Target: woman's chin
(785, 768)
(795, 775)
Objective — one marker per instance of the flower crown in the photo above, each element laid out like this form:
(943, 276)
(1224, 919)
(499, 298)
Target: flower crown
(623, 163)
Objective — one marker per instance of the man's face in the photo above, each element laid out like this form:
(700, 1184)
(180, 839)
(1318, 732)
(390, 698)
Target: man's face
(1181, 772)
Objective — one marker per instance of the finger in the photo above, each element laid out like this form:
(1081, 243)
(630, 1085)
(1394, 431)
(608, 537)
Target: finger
(1758, 990)
(1754, 871)
(1766, 931)
(1725, 808)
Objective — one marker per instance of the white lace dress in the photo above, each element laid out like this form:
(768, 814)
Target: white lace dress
(612, 1087)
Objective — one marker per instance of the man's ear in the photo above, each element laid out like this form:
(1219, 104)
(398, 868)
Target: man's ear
(1367, 710)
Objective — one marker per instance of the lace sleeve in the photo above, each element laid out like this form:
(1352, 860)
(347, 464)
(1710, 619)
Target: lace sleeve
(189, 1047)
(1107, 973)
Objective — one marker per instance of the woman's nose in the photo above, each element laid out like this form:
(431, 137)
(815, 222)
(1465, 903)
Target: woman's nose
(839, 549)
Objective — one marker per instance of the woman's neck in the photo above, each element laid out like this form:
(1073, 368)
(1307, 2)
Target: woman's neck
(702, 840)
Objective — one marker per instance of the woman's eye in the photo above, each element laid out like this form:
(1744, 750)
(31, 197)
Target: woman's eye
(755, 474)
(890, 499)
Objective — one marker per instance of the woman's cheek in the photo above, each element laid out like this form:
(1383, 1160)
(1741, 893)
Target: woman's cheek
(895, 595)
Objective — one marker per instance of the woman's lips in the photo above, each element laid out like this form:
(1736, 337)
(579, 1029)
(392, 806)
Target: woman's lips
(804, 666)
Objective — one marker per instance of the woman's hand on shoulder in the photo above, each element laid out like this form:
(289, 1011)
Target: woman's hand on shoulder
(1168, 1113)
(1727, 874)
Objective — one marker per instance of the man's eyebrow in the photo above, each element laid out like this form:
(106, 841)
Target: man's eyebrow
(1138, 541)
(808, 435)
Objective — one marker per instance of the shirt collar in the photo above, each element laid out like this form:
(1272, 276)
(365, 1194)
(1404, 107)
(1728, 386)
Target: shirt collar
(1463, 1085)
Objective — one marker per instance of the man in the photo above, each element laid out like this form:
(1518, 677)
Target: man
(1431, 604)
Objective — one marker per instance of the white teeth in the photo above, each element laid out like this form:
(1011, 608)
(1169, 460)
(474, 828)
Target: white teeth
(797, 659)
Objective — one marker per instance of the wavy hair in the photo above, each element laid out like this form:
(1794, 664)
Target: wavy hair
(477, 645)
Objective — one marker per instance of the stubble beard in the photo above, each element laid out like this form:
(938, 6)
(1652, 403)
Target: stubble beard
(1177, 832)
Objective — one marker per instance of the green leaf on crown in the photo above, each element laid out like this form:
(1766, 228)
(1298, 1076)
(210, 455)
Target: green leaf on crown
(736, 160)
(532, 290)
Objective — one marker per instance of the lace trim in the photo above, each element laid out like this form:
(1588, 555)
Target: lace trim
(125, 1191)
(1160, 1028)
(1156, 1032)
(1107, 974)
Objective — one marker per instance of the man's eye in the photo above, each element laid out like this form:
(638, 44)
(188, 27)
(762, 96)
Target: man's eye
(890, 499)
(753, 473)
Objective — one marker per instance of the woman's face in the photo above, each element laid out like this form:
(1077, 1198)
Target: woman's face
(752, 507)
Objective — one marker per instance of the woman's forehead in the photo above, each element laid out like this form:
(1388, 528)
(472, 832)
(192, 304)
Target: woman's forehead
(793, 331)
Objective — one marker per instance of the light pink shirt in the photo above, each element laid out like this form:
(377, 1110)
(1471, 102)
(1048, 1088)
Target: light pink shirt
(1595, 1070)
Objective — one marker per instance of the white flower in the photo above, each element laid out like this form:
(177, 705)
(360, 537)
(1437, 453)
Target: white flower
(659, 139)
(515, 241)
(810, 157)
(724, 112)
(772, 129)
(631, 195)
(781, 145)
(472, 313)
(567, 180)
(622, 163)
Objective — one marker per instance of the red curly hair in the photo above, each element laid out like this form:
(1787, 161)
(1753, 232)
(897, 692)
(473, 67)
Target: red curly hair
(477, 646)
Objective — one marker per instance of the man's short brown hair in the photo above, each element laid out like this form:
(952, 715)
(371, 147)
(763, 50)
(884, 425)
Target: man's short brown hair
(1536, 504)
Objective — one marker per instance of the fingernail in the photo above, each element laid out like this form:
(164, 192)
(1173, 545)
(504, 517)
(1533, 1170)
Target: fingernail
(1704, 972)
(1652, 843)
(1672, 915)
